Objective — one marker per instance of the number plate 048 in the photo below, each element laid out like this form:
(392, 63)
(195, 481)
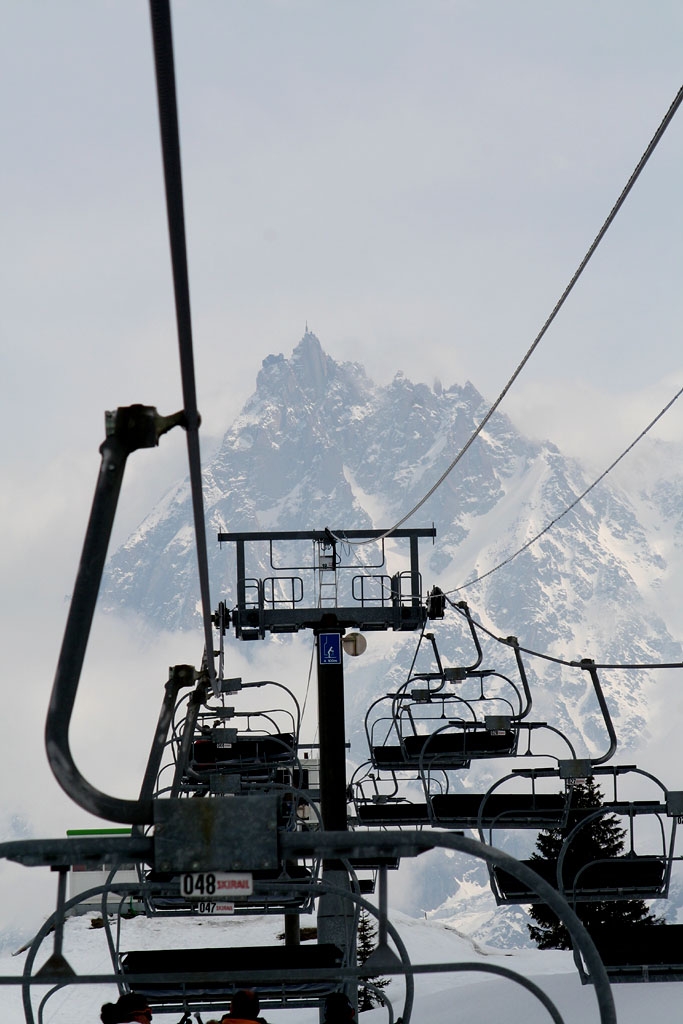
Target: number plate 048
(214, 885)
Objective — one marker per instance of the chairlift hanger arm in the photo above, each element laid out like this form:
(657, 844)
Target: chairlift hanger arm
(198, 698)
(514, 643)
(179, 676)
(128, 429)
(588, 665)
(463, 607)
(428, 676)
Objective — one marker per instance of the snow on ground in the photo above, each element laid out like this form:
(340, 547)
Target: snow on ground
(456, 998)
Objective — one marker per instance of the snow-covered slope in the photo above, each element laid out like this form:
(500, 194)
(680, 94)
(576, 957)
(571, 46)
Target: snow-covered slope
(471, 996)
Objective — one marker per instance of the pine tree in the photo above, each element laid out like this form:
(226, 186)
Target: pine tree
(365, 946)
(601, 838)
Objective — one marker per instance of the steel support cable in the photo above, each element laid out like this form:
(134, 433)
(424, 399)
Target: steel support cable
(558, 306)
(506, 561)
(162, 37)
(565, 661)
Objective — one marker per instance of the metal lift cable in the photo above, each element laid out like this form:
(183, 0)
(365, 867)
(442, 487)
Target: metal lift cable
(170, 143)
(565, 294)
(506, 561)
(564, 661)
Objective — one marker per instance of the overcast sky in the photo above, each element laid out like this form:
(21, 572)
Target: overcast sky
(417, 180)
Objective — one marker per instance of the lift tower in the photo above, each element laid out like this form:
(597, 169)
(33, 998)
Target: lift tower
(315, 580)
(304, 568)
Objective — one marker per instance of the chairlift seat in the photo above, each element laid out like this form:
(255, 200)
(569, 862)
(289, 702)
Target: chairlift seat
(460, 745)
(391, 758)
(395, 759)
(166, 967)
(448, 749)
(640, 952)
(628, 877)
(394, 812)
(502, 810)
(373, 863)
(244, 752)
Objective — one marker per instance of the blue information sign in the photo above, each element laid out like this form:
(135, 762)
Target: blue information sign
(329, 647)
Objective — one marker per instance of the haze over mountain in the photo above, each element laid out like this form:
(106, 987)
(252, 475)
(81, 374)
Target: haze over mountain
(320, 445)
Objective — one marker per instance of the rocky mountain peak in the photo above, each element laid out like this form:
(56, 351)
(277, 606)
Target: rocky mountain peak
(307, 374)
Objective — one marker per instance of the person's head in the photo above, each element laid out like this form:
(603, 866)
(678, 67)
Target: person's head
(245, 1004)
(338, 1009)
(130, 1008)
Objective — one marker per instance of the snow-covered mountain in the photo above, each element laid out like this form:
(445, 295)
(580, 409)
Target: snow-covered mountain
(320, 445)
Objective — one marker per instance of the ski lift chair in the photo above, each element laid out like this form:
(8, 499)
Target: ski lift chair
(174, 980)
(531, 810)
(627, 876)
(250, 744)
(481, 725)
(638, 952)
(379, 803)
(249, 755)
